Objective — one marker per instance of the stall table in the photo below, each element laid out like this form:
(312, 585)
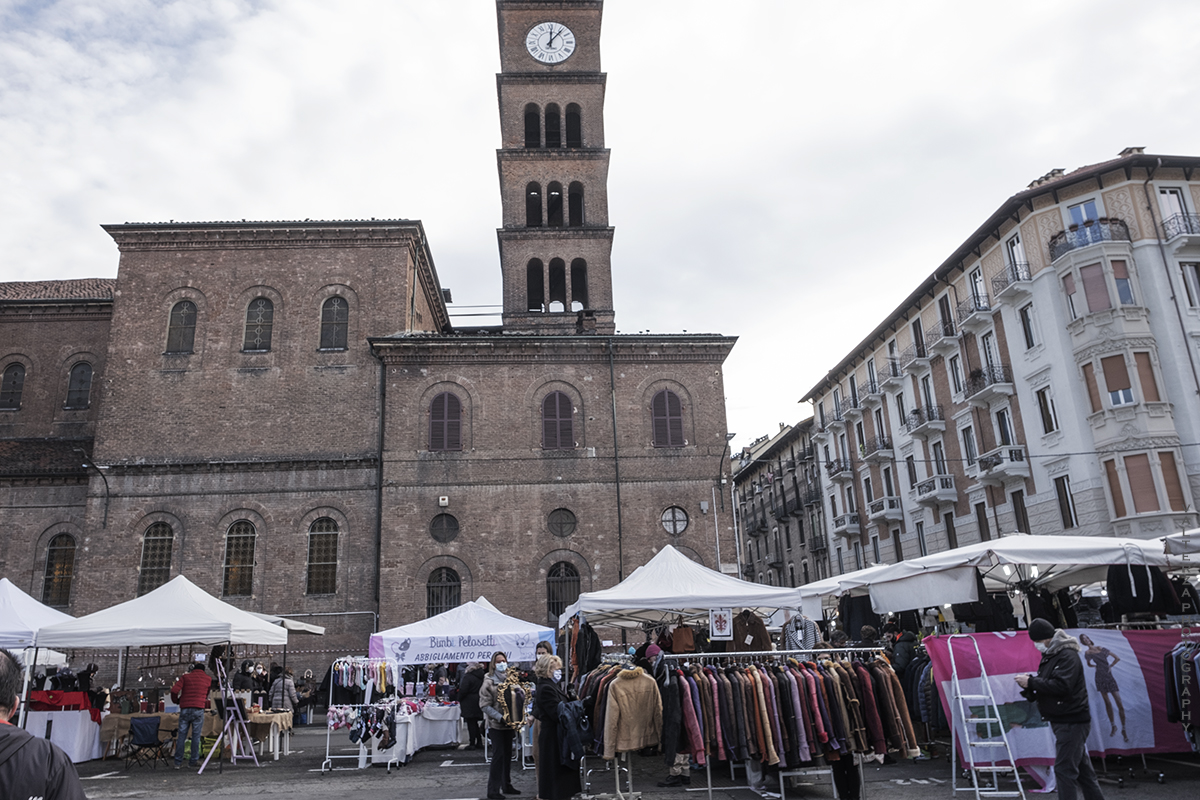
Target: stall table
(115, 728)
(73, 731)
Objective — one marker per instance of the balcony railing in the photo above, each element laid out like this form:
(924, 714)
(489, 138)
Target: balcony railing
(849, 407)
(877, 447)
(889, 371)
(937, 490)
(838, 470)
(779, 512)
(812, 495)
(914, 352)
(1008, 461)
(847, 524)
(941, 336)
(1094, 231)
(1012, 275)
(923, 418)
(870, 387)
(1180, 224)
(885, 508)
(808, 453)
(968, 310)
(817, 543)
(988, 377)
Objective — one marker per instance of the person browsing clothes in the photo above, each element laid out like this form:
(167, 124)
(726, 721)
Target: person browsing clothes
(498, 731)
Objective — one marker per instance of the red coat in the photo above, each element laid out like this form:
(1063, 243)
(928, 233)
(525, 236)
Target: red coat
(192, 689)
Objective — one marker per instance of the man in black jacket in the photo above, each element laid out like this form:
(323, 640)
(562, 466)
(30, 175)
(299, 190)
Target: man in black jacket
(1061, 695)
(29, 767)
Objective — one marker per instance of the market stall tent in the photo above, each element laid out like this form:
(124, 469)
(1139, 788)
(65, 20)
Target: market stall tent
(21, 617)
(178, 612)
(469, 632)
(671, 585)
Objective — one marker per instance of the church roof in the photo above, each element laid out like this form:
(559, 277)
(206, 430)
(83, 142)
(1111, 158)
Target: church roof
(42, 456)
(80, 289)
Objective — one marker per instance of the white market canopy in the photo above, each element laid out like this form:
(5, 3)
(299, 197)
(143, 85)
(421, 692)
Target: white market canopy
(471, 632)
(178, 612)
(1183, 544)
(670, 585)
(21, 617)
(1017, 560)
(291, 624)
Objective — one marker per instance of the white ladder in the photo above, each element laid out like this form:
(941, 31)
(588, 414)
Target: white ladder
(985, 779)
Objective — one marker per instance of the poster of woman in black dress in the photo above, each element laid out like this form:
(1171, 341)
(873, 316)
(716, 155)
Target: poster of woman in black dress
(1099, 658)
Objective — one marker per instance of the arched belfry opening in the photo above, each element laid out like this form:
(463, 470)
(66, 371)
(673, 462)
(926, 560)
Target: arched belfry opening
(554, 205)
(533, 126)
(575, 205)
(533, 205)
(574, 126)
(579, 289)
(558, 285)
(535, 290)
(553, 126)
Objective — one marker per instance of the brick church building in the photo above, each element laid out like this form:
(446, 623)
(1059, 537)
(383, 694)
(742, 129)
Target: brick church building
(284, 413)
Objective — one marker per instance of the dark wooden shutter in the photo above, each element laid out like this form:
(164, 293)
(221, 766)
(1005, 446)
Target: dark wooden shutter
(1116, 375)
(1146, 377)
(445, 423)
(453, 423)
(1089, 377)
(557, 433)
(1141, 483)
(1171, 481)
(658, 414)
(1094, 288)
(1114, 488)
(675, 419)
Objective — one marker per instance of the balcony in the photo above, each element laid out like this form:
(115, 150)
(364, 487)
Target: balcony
(812, 494)
(1003, 464)
(922, 422)
(941, 337)
(878, 448)
(757, 526)
(885, 509)
(795, 506)
(1014, 280)
(1181, 225)
(850, 408)
(937, 491)
(914, 355)
(891, 374)
(808, 453)
(779, 512)
(989, 383)
(837, 420)
(974, 313)
(839, 471)
(1094, 231)
(817, 544)
(847, 525)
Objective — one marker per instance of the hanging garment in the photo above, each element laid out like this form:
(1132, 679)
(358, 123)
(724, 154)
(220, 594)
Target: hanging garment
(750, 632)
(695, 744)
(633, 719)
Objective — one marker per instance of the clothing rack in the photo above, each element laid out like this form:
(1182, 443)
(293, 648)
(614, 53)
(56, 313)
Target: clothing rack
(352, 662)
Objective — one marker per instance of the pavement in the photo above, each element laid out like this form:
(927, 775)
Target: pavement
(451, 774)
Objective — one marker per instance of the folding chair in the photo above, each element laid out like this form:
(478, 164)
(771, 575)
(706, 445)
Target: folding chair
(145, 745)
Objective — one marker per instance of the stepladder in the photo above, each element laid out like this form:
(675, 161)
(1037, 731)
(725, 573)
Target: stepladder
(978, 729)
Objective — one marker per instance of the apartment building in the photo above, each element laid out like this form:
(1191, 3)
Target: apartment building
(1042, 379)
(778, 502)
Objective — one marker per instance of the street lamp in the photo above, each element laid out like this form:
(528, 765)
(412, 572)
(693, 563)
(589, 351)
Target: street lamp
(87, 462)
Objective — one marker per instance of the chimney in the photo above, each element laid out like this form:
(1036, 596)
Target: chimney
(1132, 151)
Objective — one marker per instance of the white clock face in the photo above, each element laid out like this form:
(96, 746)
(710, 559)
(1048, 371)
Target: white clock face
(550, 42)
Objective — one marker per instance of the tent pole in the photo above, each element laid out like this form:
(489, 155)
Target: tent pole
(25, 689)
(122, 662)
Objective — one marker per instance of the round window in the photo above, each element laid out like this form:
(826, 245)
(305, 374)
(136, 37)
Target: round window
(443, 528)
(562, 522)
(674, 520)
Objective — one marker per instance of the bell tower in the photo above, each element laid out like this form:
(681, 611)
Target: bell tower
(555, 243)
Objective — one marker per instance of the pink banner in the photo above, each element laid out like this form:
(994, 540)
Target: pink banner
(1125, 681)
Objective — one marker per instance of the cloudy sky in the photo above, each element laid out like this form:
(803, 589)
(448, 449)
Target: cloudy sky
(784, 171)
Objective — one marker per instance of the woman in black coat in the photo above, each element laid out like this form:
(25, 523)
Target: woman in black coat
(468, 703)
(556, 781)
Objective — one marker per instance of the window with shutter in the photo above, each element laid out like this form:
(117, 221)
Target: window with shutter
(1114, 488)
(557, 413)
(1089, 377)
(1170, 471)
(1069, 289)
(1094, 288)
(1066, 503)
(667, 417)
(445, 423)
(981, 521)
(1020, 515)
(1141, 484)
(1146, 377)
(1116, 378)
(1122, 282)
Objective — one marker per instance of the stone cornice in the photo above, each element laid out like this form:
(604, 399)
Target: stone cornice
(529, 78)
(553, 154)
(218, 467)
(1139, 443)
(259, 235)
(509, 348)
(55, 310)
(536, 234)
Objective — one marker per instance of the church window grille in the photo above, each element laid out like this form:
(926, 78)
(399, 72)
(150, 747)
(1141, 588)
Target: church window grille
(574, 126)
(79, 386)
(533, 205)
(239, 560)
(259, 316)
(181, 328)
(155, 569)
(667, 415)
(535, 288)
(322, 556)
(445, 423)
(335, 324)
(11, 387)
(553, 126)
(533, 126)
(579, 287)
(575, 205)
(562, 589)
(554, 205)
(443, 591)
(674, 520)
(562, 522)
(60, 571)
(557, 422)
(558, 285)
(444, 528)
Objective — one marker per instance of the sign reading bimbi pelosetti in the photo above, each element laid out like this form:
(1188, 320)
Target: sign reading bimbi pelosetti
(469, 632)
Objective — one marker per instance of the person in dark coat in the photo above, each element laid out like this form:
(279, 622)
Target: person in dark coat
(468, 703)
(243, 681)
(556, 781)
(903, 651)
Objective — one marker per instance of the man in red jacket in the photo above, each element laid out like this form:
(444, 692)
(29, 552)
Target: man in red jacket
(192, 691)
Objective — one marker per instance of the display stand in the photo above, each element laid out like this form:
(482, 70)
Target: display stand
(235, 731)
(365, 752)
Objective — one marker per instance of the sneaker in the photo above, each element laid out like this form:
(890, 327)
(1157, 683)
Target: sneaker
(673, 780)
(193, 763)
(178, 765)
(511, 790)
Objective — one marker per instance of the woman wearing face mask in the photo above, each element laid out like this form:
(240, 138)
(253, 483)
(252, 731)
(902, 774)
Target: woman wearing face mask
(499, 734)
(555, 781)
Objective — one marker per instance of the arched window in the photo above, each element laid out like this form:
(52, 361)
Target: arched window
(60, 570)
(553, 126)
(562, 589)
(11, 386)
(335, 324)
(79, 386)
(239, 559)
(579, 288)
(533, 126)
(535, 288)
(574, 127)
(558, 285)
(181, 328)
(554, 205)
(533, 205)
(443, 591)
(322, 556)
(575, 205)
(667, 414)
(557, 421)
(155, 570)
(445, 422)
(259, 316)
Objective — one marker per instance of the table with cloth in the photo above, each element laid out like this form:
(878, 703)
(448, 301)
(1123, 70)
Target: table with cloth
(73, 731)
(434, 725)
(115, 727)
